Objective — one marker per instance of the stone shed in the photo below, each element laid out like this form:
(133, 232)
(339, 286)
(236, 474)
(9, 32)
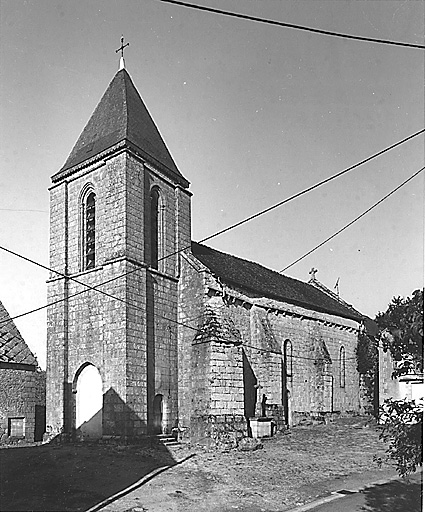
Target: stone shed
(22, 387)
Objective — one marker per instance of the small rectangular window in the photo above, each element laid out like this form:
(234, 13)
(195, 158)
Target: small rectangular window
(16, 427)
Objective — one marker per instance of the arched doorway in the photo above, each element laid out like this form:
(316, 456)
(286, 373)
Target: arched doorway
(157, 414)
(89, 401)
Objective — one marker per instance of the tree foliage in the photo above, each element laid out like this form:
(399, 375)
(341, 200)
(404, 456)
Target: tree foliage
(402, 422)
(401, 331)
(367, 363)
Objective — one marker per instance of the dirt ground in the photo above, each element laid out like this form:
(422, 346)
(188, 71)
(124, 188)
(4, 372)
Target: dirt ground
(293, 468)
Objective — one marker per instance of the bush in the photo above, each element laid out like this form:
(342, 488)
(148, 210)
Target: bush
(402, 428)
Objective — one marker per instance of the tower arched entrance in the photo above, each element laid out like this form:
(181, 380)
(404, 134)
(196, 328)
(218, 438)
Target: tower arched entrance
(89, 401)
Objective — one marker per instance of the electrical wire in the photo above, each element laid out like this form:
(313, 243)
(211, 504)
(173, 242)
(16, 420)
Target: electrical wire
(18, 210)
(353, 221)
(291, 25)
(309, 189)
(233, 226)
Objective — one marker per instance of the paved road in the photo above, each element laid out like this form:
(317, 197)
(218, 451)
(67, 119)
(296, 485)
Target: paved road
(395, 496)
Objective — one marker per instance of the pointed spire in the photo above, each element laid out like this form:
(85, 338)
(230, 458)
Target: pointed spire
(121, 117)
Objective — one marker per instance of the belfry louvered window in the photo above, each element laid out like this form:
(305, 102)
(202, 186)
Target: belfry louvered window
(90, 231)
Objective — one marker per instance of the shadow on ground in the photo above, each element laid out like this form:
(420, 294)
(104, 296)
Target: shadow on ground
(397, 496)
(73, 477)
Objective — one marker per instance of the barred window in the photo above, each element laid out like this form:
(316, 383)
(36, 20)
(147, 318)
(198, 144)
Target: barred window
(90, 238)
(342, 367)
(287, 356)
(88, 230)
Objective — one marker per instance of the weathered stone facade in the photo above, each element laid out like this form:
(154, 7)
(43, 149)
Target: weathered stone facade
(128, 332)
(234, 354)
(22, 387)
(22, 396)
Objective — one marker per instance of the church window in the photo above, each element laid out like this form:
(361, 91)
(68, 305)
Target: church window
(89, 231)
(287, 358)
(342, 367)
(156, 228)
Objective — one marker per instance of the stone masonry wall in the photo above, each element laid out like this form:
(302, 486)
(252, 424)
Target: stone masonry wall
(21, 394)
(192, 359)
(131, 335)
(231, 378)
(314, 384)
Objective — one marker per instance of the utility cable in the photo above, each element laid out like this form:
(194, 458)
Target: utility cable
(309, 189)
(69, 277)
(291, 25)
(237, 224)
(353, 221)
(18, 210)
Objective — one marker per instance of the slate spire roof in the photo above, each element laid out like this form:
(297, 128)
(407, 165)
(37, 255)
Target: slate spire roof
(13, 349)
(121, 116)
(264, 282)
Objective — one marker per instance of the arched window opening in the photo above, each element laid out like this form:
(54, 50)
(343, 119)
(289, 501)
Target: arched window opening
(287, 357)
(342, 367)
(89, 250)
(155, 228)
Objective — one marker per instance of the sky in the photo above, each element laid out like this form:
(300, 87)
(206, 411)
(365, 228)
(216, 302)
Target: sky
(251, 114)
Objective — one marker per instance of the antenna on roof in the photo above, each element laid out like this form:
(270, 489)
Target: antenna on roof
(121, 49)
(336, 287)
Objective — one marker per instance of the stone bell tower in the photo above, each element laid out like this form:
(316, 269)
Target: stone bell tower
(119, 213)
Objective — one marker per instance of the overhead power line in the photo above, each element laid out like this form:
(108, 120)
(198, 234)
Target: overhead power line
(353, 221)
(18, 210)
(292, 25)
(309, 189)
(262, 212)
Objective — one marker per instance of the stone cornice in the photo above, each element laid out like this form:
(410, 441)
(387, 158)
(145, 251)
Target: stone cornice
(111, 151)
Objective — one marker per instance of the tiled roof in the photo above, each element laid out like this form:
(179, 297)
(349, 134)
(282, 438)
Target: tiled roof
(268, 283)
(120, 115)
(13, 348)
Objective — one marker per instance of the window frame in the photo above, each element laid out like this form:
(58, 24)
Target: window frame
(288, 361)
(88, 260)
(10, 427)
(156, 227)
(342, 367)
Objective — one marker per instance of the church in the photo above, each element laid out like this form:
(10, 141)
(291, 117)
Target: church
(149, 332)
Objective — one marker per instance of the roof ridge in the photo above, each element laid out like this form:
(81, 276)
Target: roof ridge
(269, 283)
(253, 263)
(126, 99)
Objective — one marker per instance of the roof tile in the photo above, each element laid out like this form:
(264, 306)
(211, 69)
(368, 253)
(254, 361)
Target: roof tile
(13, 348)
(120, 116)
(268, 283)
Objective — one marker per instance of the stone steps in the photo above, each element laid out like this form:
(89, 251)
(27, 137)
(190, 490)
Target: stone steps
(167, 439)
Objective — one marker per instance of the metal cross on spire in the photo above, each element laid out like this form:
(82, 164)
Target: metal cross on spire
(121, 49)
